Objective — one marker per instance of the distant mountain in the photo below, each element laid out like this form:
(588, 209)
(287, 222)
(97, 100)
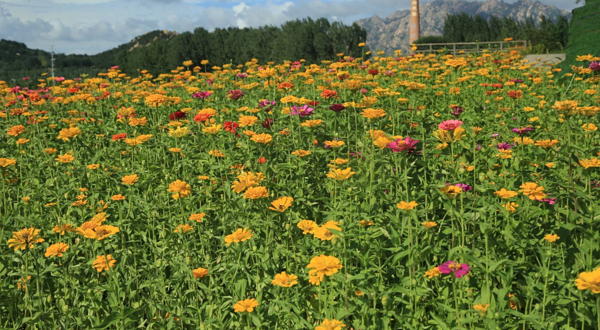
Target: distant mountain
(391, 33)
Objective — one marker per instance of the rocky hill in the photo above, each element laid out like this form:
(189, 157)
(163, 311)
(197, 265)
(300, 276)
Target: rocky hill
(391, 33)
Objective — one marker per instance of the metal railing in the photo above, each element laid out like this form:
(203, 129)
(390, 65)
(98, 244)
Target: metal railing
(457, 48)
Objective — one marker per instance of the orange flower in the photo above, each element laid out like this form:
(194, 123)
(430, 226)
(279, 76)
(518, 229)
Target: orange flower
(407, 206)
(533, 190)
(180, 189)
(239, 235)
(247, 305)
(281, 204)
(200, 272)
(285, 280)
(103, 263)
(130, 179)
(66, 158)
(56, 250)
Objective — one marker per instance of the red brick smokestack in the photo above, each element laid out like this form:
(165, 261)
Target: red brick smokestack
(415, 21)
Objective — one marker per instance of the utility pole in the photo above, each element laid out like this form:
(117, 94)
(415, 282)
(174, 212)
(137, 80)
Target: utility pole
(415, 21)
(52, 61)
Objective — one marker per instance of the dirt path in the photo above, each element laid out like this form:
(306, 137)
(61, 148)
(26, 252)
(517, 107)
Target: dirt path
(540, 59)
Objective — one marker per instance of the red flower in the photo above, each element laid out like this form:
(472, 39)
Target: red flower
(373, 72)
(202, 117)
(262, 160)
(235, 94)
(327, 94)
(119, 136)
(313, 103)
(177, 115)
(515, 94)
(230, 126)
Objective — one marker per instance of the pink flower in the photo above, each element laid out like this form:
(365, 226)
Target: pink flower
(450, 125)
(458, 269)
(400, 145)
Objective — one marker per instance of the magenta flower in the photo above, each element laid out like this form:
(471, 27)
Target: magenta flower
(459, 270)
(504, 146)
(201, 95)
(242, 75)
(303, 111)
(595, 66)
(456, 111)
(522, 130)
(450, 125)
(235, 94)
(400, 145)
(337, 107)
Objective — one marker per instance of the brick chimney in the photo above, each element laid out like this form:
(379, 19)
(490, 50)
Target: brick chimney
(415, 21)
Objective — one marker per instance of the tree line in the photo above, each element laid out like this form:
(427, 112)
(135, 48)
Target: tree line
(308, 39)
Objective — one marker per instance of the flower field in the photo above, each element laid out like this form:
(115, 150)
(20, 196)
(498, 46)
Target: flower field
(419, 192)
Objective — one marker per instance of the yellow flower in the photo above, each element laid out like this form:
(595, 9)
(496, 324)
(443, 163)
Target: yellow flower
(482, 309)
(200, 272)
(285, 280)
(373, 113)
(179, 132)
(247, 305)
(433, 272)
(382, 142)
(365, 223)
(587, 163)
(180, 189)
(197, 217)
(532, 190)
(546, 143)
(323, 265)
(505, 194)
(56, 250)
(551, 238)
(256, 193)
(117, 198)
(262, 138)
(330, 325)
(239, 235)
(68, 133)
(308, 226)
(216, 153)
(93, 166)
(340, 175)
(281, 204)
(407, 206)
(429, 224)
(212, 129)
(570, 107)
(247, 120)
(589, 281)
(589, 127)
(24, 238)
(188, 63)
(510, 207)
(335, 144)
(62, 229)
(103, 263)
(183, 229)
(451, 191)
(312, 123)
(449, 136)
(324, 233)
(16, 130)
(66, 158)
(301, 153)
(4, 162)
(130, 179)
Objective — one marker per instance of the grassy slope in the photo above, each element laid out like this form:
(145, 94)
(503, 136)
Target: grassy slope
(584, 34)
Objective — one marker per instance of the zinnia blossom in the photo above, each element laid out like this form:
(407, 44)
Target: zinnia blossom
(256, 193)
(451, 191)
(433, 272)
(459, 270)
(247, 305)
(324, 233)
(308, 226)
(533, 190)
(24, 238)
(551, 238)
(323, 266)
(589, 281)
(56, 250)
(450, 125)
(200, 272)
(103, 263)
(239, 235)
(180, 189)
(505, 194)
(281, 204)
(285, 280)
(330, 325)
(400, 145)
(340, 175)
(407, 206)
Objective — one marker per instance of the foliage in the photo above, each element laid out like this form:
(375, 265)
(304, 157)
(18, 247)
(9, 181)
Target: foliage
(431, 40)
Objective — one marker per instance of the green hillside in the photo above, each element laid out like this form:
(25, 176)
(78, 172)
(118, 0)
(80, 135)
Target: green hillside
(584, 33)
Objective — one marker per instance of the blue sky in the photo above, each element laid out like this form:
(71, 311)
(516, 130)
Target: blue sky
(91, 26)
